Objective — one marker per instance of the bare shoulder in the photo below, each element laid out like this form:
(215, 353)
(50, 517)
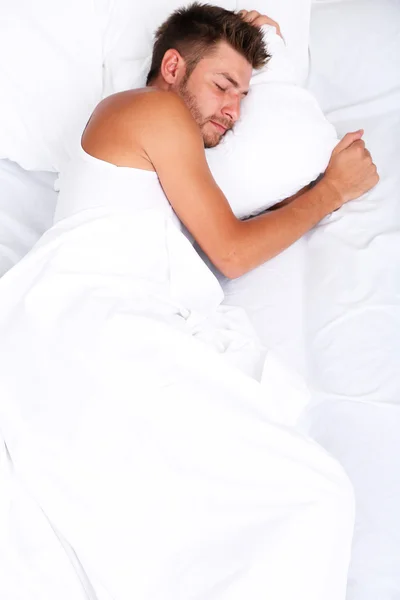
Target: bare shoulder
(134, 103)
(125, 126)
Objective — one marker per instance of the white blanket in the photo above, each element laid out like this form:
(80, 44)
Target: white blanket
(140, 462)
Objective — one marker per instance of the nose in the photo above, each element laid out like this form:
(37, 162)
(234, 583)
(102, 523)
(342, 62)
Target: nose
(231, 108)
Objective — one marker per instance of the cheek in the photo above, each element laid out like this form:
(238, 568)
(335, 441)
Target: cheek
(209, 102)
(212, 104)
(206, 98)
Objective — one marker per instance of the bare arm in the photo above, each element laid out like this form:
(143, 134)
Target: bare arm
(266, 235)
(235, 246)
(291, 198)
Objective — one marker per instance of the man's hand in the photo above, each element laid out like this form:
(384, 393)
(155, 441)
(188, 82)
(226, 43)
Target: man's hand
(350, 172)
(258, 20)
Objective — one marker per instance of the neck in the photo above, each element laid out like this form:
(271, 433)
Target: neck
(160, 84)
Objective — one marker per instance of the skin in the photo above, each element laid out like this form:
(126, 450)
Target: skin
(165, 127)
(258, 20)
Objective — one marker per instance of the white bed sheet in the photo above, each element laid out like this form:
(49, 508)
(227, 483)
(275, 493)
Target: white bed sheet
(353, 279)
(352, 326)
(353, 337)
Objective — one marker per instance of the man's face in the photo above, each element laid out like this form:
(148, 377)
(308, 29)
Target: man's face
(214, 90)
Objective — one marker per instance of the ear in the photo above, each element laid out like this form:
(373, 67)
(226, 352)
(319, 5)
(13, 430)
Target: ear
(172, 67)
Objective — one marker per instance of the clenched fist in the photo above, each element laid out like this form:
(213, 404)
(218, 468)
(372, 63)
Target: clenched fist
(351, 171)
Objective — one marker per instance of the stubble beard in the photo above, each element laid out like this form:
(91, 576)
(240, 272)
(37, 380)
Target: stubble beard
(210, 141)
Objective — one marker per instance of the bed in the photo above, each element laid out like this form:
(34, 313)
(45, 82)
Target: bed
(329, 307)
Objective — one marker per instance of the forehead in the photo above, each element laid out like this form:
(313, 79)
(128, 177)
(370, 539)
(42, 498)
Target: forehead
(224, 59)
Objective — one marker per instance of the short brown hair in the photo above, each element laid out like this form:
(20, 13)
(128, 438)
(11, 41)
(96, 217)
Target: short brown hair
(193, 31)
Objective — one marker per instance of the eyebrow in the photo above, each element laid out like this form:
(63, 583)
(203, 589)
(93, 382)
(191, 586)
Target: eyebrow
(233, 82)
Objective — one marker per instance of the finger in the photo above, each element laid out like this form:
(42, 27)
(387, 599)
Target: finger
(347, 140)
(375, 178)
(278, 29)
(359, 144)
(242, 13)
(251, 16)
(264, 20)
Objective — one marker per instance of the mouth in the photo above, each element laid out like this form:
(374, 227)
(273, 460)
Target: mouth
(220, 128)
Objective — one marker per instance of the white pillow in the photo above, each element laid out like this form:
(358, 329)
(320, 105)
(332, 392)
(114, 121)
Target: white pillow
(51, 77)
(282, 142)
(293, 17)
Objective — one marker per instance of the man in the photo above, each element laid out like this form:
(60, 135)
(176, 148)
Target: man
(200, 73)
(145, 464)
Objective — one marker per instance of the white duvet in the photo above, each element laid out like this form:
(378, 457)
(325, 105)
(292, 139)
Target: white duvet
(139, 461)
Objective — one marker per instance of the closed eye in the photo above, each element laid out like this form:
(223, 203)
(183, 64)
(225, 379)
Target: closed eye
(220, 88)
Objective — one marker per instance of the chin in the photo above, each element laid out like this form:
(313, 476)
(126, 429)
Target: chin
(211, 137)
(211, 142)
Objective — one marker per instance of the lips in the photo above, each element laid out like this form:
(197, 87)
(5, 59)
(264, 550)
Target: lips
(219, 127)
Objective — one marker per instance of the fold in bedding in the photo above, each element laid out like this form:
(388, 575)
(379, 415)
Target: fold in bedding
(27, 203)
